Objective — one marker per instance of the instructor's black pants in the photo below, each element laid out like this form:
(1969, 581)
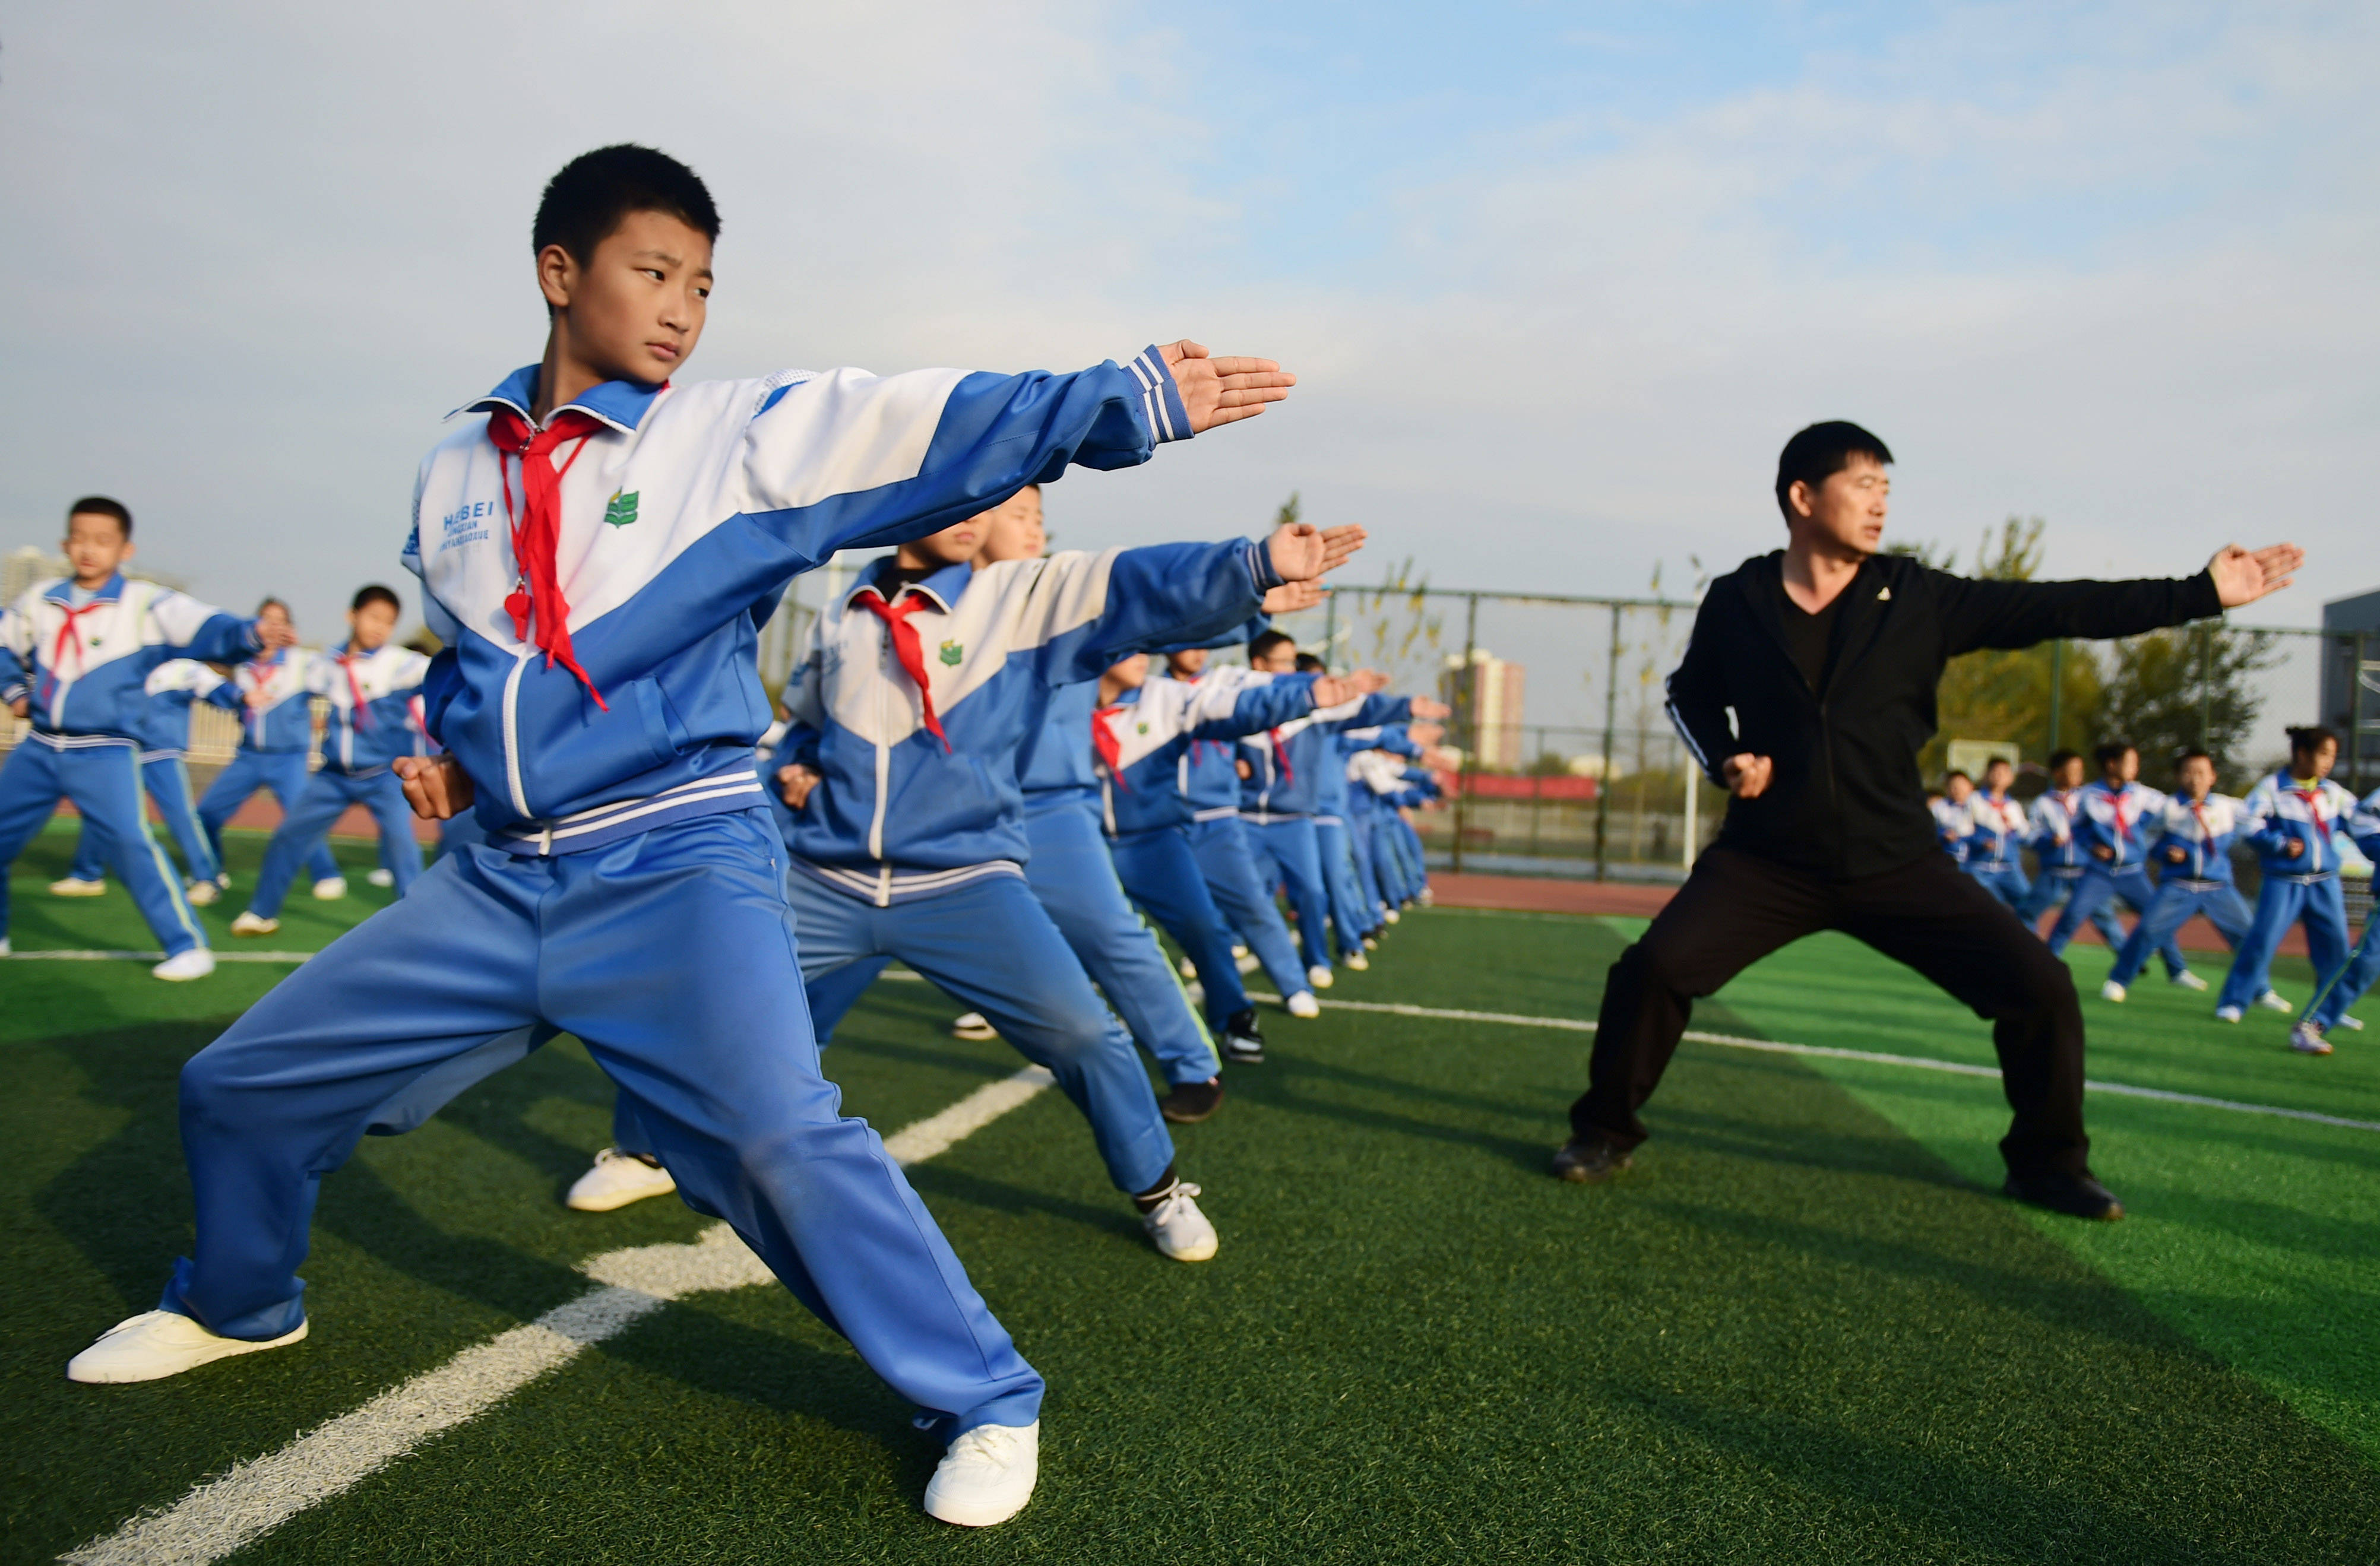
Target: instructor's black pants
(1736, 909)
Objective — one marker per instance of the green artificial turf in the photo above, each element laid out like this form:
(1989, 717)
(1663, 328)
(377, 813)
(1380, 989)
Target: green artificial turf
(1801, 1329)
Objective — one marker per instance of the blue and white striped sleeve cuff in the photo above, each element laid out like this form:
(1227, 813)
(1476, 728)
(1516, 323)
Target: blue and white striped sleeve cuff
(1260, 568)
(1161, 400)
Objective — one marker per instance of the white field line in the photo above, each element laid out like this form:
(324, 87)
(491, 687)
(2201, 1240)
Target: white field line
(1771, 1046)
(222, 1514)
(221, 956)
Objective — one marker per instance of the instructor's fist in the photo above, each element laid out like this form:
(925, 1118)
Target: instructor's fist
(1747, 775)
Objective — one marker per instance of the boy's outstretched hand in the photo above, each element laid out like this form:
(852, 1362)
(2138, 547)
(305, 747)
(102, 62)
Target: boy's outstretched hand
(2244, 575)
(1329, 690)
(1303, 553)
(1291, 597)
(436, 786)
(1218, 390)
(1437, 712)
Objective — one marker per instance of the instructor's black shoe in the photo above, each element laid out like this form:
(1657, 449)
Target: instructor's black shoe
(1583, 1161)
(1191, 1102)
(2077, 1196)
(1243, 1044)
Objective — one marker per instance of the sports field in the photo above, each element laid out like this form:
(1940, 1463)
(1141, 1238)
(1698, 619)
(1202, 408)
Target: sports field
(1801, 1329)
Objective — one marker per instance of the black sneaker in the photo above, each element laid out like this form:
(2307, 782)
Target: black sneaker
(1191, 1102)
(2077, 1196)
(1585, 1161)
(1243, 1044)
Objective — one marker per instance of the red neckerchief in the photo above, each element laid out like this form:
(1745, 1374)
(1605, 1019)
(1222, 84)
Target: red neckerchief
(2123, 827)
(1111, 749)
(1281, 755)
(536, 592)
(71, 626)
(359, 710)
(908, 649)
(2313, 809)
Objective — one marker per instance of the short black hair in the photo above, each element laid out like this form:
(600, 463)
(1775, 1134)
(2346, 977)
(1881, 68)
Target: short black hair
(1999, 761)
(1307, 663)
(2193, 754)
(585, 201)
(274, 603)
(1262, 644)
(100, 505)
(2310, 739)
(1955, 772)
(2113, 752)
(376, 594)
(2059, 758)
(1818, 452)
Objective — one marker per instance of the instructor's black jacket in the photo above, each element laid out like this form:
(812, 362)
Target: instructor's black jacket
(1845, 799)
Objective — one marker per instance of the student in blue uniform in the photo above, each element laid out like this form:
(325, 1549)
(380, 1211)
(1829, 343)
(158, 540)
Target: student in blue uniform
(1951, 823)
(2301, 821)
(2189, 840)
(2108, 827)
(1996, 833)
(1353, 920)
(372, 686)
(2328, 1010)
(2059, 853)
(76, 655)
(165, 731)
(598, 545)
(276, 737)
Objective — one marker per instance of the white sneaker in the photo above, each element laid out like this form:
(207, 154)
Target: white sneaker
(254, 923)
(1318, 977)
(617, 1180)
(1239, 954)
(330, 889)
(2273, 1002)
(2111, 990)
(1243, 961)
(4, 949)
(157, 1343)
(1180, 1230)
(196, 963)
(1423, 897)
(2187, 979)
(1357, 961)
(202, 893)
(2227, 1014)
(381, 877)
(74, 887)
(1303, 1005)
(1391, 915)
(2307, 1039)
(972, 1025)
(2353, 1024)
(986, 1476)
(1194, 992)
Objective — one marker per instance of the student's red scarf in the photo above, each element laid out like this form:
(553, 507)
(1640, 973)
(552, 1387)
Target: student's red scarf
(1111, 749)
(536, 592)
(907, 648)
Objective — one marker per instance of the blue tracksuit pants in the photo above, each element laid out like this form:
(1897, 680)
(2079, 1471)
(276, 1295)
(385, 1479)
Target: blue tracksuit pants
(2348, 986)
(2089, 900)
(2176, 900)
(672, 957)
(104, 781)
(1289, 854)
(281, 773)
(1076, 883)
(2052, 888)
(1161, 874)
(991, 947)
(2320, 904)
(304, 829)
(168, 782)
(1409, 847)
(2006, 882)
(1351, 916)
(1221, 846)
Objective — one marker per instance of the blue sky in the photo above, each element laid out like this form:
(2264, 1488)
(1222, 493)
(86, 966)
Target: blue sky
(1558, 279)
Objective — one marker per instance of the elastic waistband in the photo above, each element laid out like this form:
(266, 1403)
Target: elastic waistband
(1268, 818)
(1329, 821)
(2192, 883)
(79, 741)
(2310, 878)
(885, 886)
(148, 756)
(1216, 813)
(606, 824)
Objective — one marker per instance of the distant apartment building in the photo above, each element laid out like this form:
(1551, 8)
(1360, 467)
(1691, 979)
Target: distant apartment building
(21, 568)
(1486, 696)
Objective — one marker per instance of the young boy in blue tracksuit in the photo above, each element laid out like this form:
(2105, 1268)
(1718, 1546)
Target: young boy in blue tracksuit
(172, 689)
(2058, 852)
(2300, 819)
(1995, 836)
(2189, 840)
(1143, 732)
(276, 738)
(599, 548)
(373, 687)
(2109, 828)
(1951, 822)
(2328, 1010)
(1354, 918)
(76, 655)
(903, 721)
(1380, 786)
(1218, 840)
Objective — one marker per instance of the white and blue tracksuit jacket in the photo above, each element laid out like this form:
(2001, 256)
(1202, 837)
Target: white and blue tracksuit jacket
(2054, 835)
(283, 720)
(899, 814)
(85, 666)
(1951, 825)
(1313, 780)
(681, 523)
(2284, 812)
(172, 687)
(1156, 727)
(2117, 820)
(364, 738)
(1996, 833)
(2202, 834)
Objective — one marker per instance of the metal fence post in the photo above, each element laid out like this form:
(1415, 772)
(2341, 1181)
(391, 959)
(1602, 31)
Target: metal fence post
(1611, 718)
(1329, 626)
(1466, 687)
(2056, 696)
(2206, 686)
(2355, 718)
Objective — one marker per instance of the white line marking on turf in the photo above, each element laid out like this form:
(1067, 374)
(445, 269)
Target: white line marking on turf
(1771, 1046)
(221, 956)
(222, 1514)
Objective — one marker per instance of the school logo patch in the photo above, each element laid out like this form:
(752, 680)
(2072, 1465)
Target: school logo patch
(1143, 729)
(951, 653)
(621, 509)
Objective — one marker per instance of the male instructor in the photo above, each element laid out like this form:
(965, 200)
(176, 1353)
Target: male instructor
(1805, 693)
